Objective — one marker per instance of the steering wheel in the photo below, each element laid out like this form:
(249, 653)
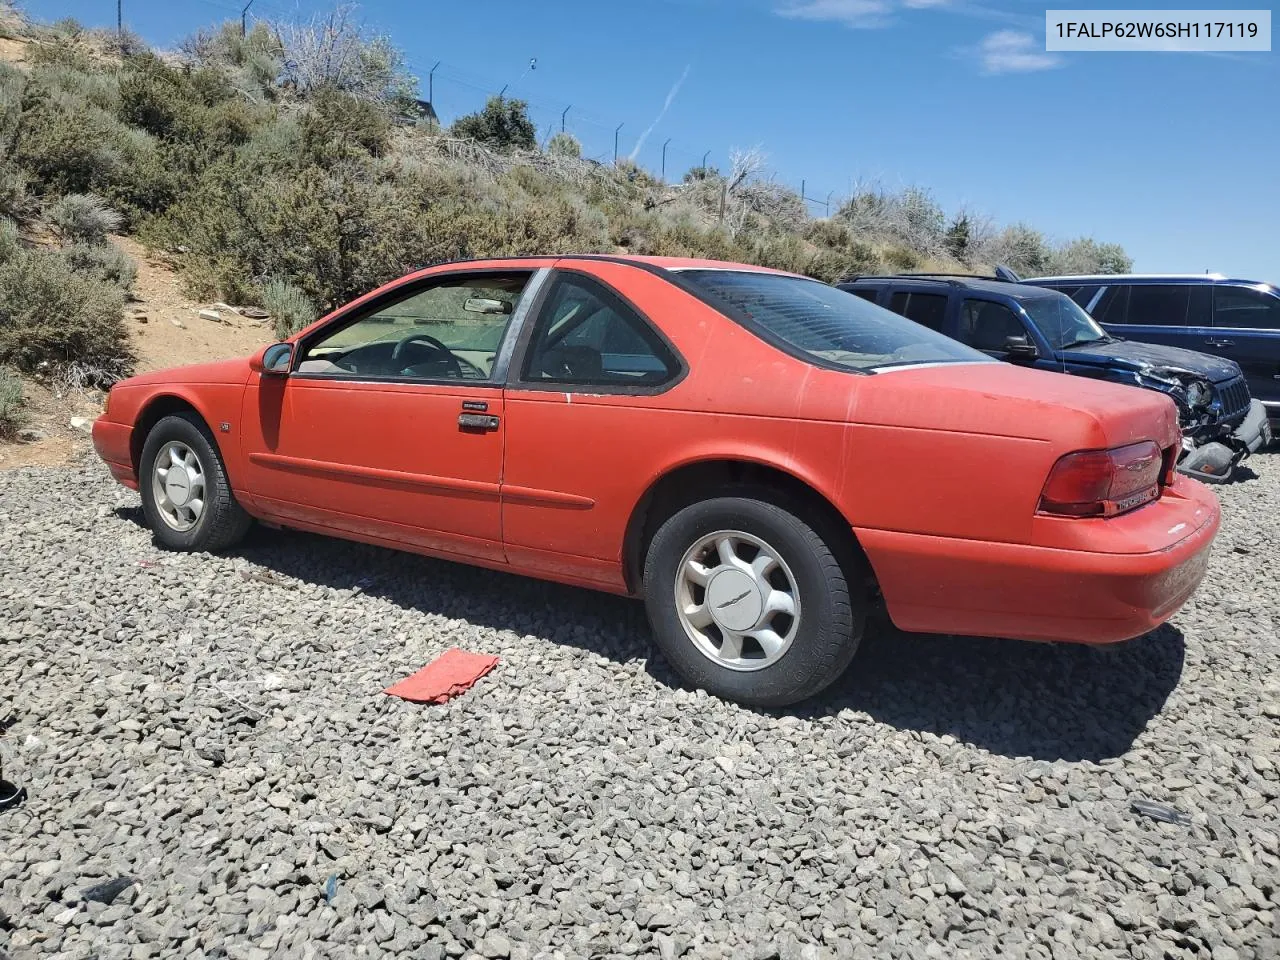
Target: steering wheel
(446, 354)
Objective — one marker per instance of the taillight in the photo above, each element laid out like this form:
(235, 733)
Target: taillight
(1102, 483)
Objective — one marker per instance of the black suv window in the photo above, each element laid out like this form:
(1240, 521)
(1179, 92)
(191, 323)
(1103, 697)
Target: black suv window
(587, 335)
(988, 325)
(1112, 306)
(1168, 304)
(1243, 307)
(869, 294)
(926, 309)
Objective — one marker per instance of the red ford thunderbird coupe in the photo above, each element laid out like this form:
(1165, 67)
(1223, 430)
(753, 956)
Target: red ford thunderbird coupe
(758, 455)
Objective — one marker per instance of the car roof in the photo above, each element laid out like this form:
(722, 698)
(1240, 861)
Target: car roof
(981, 284)
(1143, 278)
(673, 264)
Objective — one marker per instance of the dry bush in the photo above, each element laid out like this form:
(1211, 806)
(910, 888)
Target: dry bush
(12, 414)
(83, 218)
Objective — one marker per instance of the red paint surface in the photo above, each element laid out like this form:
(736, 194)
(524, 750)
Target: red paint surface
(938, 470)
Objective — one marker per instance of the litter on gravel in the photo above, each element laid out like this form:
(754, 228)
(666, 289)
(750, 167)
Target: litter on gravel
(451, 674)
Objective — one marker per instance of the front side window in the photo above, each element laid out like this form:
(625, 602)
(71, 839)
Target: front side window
(450, 330)
(988, 325)
(824, 324)
(1246, 307)
(587, 335)
(1061, 321)
(926, 309)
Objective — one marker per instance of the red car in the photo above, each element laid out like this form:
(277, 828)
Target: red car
(760, 456)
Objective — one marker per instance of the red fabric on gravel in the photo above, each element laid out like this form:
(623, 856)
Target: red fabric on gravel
(447, 676)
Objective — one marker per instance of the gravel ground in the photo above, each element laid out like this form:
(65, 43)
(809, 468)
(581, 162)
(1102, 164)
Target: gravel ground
(223, 742)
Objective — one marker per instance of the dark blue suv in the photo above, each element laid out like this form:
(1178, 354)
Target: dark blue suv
(1235, 319)
(1043, 328)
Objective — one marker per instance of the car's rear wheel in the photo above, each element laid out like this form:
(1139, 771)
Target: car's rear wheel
(185, 494)
(749, 602)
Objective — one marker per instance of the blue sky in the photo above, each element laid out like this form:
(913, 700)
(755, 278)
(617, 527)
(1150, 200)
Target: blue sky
(1174, 155)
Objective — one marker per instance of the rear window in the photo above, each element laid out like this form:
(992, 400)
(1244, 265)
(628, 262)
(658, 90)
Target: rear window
(825, 325)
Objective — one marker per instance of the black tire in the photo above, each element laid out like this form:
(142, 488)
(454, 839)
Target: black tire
(223, 521)
(832, 617)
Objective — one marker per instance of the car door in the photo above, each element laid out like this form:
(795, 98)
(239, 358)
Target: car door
(988, 325)
(1246, 329)
(1174, 314)
(389, 424)
(579, 386)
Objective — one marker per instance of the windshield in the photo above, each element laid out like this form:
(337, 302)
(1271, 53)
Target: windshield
(825, 324)
(1063, 322)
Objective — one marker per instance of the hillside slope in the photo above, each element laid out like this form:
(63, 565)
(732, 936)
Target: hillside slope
(287, 169)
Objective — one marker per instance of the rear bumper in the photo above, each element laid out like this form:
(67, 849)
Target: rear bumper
(112, 442)
(977, 588)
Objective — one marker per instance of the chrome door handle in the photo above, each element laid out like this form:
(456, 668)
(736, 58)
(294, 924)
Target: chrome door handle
(1215, 342)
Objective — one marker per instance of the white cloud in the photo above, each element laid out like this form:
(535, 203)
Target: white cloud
(852, 13)
(1011, 51)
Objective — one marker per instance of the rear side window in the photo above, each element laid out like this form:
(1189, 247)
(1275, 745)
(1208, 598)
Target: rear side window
(1112, 306)
(820, 323)
(926, 309)
(867, 294)
(1166, 304)
(1245, 307)
(586, 335)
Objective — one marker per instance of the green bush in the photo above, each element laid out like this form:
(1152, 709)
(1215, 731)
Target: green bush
(83, 218)
(51, 313)
(338, 126)
(289, 307)
(12, 415)
(565, 145)
(503, 124)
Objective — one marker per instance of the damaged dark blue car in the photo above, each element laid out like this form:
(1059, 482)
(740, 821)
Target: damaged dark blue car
(1042, 328)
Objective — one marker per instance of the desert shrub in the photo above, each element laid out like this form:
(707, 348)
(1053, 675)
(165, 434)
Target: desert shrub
(14, 202)
(337, 126)
(66, 148)
(9, 243)
(289, 307)
(503, 123)
(12, 415)
(1086, 255)
(52, 313)
(333, 52)
(900, 257)
(958, 237)
(105, 261)
(252, 63)
(564, 145)
(12, 84)
(83, 218)
(1020, 247)
(12, 23)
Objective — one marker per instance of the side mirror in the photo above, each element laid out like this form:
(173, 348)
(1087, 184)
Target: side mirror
(273, 360)
(1020, 348)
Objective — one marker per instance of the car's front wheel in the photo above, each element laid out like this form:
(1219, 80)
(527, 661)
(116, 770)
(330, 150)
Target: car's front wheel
(186, 497)
(748, 602)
